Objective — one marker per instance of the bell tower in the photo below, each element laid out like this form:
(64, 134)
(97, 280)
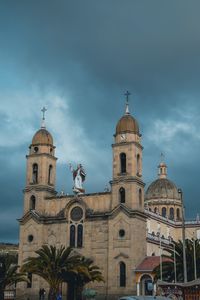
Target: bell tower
(41, 169)
(127, 184)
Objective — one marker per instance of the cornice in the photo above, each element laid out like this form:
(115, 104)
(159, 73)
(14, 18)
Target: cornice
(125, 178)
(111, 214)
(32, 214)
(39, 188)
(41, 154)
(161, 201)
(90, 215)
(127, 143)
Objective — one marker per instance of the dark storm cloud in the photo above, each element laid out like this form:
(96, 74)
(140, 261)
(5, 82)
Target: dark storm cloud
(88, 53)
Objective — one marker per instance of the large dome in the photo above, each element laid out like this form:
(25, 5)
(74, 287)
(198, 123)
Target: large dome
(42, 136)
(127, 124)
(162, 188)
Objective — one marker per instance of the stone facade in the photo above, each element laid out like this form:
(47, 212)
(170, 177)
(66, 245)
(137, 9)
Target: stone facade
(112, 227)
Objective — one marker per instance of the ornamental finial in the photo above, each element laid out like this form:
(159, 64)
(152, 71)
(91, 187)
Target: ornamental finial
(43, 110)
(127, 94)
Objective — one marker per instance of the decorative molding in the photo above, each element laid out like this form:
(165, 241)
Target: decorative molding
(126, 178)
(128, 143)
(39, 188)
(121, 254)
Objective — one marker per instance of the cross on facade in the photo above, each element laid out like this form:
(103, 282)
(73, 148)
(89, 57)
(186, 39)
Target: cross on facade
(43, 110)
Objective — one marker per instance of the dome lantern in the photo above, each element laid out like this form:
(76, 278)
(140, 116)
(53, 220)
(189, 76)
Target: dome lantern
(162, 168)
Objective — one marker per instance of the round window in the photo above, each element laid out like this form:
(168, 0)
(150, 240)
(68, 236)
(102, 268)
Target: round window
(76, 213)
(35, 149)
(30, 238)
(121, 233)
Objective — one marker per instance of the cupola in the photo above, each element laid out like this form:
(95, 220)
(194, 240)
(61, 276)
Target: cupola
(127, 123)
(42, 137)
(162, 188)
(162, 196)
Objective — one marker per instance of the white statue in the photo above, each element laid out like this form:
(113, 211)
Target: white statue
(78, 177)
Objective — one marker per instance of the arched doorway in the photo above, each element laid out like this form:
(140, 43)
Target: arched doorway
(146, 285)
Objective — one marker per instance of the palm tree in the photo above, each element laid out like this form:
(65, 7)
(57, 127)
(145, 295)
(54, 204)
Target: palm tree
(9, 274)
(50, 264)
(168, 267)
(86, 272)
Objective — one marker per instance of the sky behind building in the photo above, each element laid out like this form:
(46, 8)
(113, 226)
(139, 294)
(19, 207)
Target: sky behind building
(78, 58)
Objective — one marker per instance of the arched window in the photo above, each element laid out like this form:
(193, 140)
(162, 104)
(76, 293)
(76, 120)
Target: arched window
(50, 174)
(35, 173)
(178, 214)
(122, 274)
(76, 227)
(138, 164)
(80, 236)
(123, 162)
(155, 210)
(171, 213)
(140, 197)
(122, 195)
(32, 202)
(72, 236)
(164, 211)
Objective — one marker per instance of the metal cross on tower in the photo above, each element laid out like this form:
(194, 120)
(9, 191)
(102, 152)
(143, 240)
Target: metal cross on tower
(43, 110)
(127, 94)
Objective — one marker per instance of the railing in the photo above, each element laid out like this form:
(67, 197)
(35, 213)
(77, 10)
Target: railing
(10, 294)
(157, 215)
(158, 238)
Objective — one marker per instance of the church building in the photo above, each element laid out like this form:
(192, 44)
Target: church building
(122, 229)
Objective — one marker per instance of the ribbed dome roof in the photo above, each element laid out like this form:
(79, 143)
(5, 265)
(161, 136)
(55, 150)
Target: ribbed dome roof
(162, 188)
(42, 136)
(127, 124)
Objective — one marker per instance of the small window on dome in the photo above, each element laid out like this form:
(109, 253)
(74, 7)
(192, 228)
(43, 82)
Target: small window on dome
(164, 212)
(178, 214)
(171, 213)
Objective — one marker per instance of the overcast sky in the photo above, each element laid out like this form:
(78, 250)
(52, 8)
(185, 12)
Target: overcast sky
(78, 58)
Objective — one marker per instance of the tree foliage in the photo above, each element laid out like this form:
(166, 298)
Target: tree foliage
(87, 272)
(61, 265)
(176, 252)
(9, 273)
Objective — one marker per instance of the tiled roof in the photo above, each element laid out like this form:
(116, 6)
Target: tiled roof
(149, 263)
